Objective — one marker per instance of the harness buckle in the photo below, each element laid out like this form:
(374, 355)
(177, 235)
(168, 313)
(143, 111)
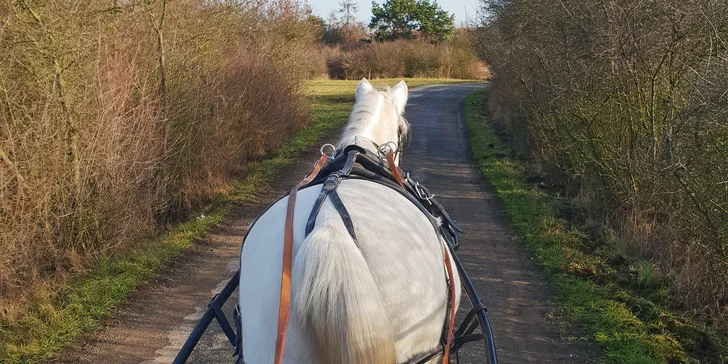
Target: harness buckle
(423, 193)
(332, 181)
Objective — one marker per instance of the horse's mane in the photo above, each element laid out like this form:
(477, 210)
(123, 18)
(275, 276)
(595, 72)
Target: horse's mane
(368, 110)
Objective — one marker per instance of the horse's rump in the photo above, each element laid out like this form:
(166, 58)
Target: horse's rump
(394, 278)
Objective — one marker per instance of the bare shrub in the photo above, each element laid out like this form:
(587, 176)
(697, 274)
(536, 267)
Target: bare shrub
(408, 58)
(115, 120)
(625, 101)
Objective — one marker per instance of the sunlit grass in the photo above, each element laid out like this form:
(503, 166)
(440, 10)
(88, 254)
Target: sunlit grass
(344, 87)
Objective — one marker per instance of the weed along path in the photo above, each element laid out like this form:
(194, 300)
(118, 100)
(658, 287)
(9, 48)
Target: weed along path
(153, 325)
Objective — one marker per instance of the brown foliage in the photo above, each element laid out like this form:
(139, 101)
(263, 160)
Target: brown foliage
(407, 58)
(624, 102)
(116, 118)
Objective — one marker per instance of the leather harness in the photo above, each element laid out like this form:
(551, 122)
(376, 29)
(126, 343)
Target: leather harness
(355, 162)
(284, 308)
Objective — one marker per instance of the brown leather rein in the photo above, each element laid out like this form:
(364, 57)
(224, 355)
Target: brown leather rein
(284, 309)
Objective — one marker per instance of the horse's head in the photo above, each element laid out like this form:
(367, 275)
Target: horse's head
(377, 119)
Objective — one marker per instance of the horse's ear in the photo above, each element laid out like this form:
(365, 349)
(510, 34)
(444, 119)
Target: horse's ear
(399, 96)
(363, 87)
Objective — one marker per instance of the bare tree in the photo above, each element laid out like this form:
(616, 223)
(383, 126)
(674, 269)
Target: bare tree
(348, 9)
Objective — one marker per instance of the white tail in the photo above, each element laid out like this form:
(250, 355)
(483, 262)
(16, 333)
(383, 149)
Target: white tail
(339, 300)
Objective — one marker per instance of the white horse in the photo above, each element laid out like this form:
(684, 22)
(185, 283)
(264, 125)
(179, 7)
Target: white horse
(381, 302)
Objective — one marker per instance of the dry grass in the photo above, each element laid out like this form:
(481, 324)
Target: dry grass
(116, 120)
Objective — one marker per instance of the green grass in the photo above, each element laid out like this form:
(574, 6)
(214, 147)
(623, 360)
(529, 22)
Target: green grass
(89, 297)
(617, 301)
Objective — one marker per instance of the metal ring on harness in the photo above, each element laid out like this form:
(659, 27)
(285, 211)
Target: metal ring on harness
(333, 149)
(384, 148)
(322, 150)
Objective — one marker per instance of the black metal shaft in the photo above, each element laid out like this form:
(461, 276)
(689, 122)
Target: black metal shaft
(206, 319)
(474, 300)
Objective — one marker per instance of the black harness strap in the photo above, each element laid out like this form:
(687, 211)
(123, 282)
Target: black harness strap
(464, 329)
(426, 356)
(238, 321)
(329, 188)
(349, 164)
(345, 217)
(326, 189)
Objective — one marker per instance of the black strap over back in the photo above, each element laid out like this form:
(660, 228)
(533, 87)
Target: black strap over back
(355, 163)
(339, 205)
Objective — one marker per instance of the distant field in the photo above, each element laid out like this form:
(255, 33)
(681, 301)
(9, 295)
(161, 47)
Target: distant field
(324, 88)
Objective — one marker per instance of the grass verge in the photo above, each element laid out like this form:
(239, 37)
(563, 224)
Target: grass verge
(89, 297)
(617, 300)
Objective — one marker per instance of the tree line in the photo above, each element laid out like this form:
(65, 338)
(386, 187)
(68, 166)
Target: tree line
(404, 38)
(392, 20)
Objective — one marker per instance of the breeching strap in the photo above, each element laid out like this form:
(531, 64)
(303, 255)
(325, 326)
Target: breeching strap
(448, 266)
(450, 276)
(284, 308)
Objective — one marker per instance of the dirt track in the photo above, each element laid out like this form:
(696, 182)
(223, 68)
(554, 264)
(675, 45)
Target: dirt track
(152, 326)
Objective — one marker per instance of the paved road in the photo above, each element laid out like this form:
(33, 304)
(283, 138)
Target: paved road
(156, 321)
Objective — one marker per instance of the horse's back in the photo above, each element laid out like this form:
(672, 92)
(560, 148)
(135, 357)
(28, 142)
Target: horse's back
(404, 254)
(396, 251)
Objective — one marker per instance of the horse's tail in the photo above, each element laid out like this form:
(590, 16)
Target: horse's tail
(340, 301)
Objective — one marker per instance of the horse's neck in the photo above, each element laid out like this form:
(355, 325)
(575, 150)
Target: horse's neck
(360, 140)
(360, 132)
(369, 123)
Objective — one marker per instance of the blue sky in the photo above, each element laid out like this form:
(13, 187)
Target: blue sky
(464, 10)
